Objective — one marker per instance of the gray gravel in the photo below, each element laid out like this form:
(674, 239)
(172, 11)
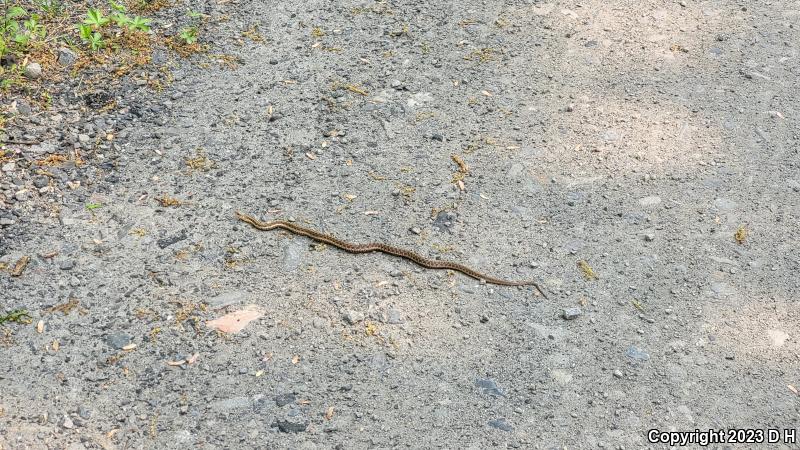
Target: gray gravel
(638, 138)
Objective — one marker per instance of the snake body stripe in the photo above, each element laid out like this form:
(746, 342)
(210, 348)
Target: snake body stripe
(379, 247)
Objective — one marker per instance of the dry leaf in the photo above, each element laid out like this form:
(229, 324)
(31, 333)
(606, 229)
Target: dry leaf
(793, 389)
(235, 321)
(349, 197)
(587, 270)
(192, 359)
(56, 346)
(259, 373)
(329, 413)
(129, 347)
(741, 234)
(311, 156)
(40, 326)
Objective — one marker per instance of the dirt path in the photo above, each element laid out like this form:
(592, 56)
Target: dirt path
(651, 144)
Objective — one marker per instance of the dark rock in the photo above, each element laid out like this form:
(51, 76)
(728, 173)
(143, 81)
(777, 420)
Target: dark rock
(290, 425)
(167, 241)
(23, 107)
(501, 424)
(285, 399)
(41, 181)
(66, 57)
(118, 340)
(84, 412)
(489, 387)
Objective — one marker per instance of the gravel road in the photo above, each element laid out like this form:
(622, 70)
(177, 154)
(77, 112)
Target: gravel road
(641, 160)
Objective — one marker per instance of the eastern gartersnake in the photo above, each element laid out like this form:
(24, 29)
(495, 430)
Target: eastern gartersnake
(378, 247)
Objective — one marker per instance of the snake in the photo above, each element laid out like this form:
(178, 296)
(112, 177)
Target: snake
(380, 247)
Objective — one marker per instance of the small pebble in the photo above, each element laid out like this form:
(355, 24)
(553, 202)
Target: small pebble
(33, 71)
(571, 313)
(353, 317)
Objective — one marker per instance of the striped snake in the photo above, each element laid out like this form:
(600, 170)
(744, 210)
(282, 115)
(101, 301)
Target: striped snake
(378, 247)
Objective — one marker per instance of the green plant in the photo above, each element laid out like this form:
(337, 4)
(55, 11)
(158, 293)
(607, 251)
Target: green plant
(91, 29)
(10, 76)
(121, 20)
(50, 8)
(17, 315)
(139, 24)
(93, 38)
(118, 7)
(189, 35)
(33, 27)
(95, 19)
(10, 31)
(124, 21)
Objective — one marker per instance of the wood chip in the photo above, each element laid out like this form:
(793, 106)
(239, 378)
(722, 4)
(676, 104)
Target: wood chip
(295, 359)
(329, 413)
(311, 156)
(40, 327)
(176, 363)
(19, 267)
(129, 347)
